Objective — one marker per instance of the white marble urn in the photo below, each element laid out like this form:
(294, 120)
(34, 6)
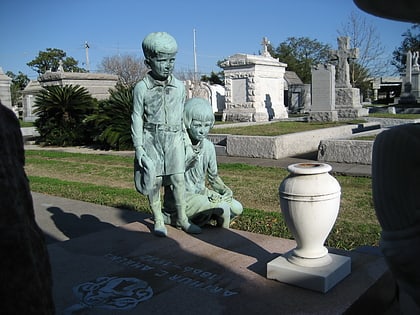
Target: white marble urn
(310, 201)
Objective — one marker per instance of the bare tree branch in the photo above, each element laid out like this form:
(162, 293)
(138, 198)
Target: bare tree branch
(129, 68)
(371, 52)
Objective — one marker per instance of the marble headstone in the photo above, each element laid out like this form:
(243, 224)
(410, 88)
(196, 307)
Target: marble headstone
(323, 94)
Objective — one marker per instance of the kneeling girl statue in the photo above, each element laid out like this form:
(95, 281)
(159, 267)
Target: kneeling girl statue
(207, 197)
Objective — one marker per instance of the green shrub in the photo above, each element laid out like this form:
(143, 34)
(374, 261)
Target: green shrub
(113, 119)
(61, 112)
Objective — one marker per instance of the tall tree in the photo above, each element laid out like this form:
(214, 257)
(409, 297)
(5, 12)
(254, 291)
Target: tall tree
(411, 42)
(50, 60)
(371, 61)
(300, 54)
(129, 68)
(214, 78)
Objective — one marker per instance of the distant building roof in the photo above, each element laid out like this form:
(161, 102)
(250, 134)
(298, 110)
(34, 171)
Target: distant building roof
(292, 78)
(240, 60)
(32, 87)
(61, 75)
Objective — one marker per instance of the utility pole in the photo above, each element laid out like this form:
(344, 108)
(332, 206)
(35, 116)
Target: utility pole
(87, 56)
(195, 58)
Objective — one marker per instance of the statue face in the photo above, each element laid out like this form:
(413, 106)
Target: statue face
(162, 65)
(199, 130)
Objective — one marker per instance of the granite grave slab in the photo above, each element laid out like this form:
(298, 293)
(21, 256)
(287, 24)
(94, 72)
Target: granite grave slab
(128, 270)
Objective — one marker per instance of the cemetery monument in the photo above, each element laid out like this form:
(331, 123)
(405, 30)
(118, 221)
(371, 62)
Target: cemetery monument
(97, 84)
(323, 94)
(410, 94)
(309, 202)
(5, 94)
(347, 98)
(254, 87)
(207, 197)
(214, 93)
(28, 100)
(297, 94)
(158, 133)
(171, 148)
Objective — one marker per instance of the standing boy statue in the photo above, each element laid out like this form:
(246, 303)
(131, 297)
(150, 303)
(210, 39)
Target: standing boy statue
(158, 131)
(204, 202)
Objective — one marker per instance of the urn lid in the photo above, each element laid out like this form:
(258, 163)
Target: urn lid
(309, 168)
(309, 182)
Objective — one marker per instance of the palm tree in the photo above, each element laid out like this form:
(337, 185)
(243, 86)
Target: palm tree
(113, 118)
(61, 111)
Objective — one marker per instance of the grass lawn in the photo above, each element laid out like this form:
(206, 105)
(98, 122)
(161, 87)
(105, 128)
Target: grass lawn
(395, 116)
(25, 123)
(279, 128)
(107, 180)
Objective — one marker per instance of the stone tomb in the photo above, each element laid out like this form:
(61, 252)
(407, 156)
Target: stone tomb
(128, 270)
(254, 87)
(97, 84)
(28, 100)
(5, 94)
(214, 93)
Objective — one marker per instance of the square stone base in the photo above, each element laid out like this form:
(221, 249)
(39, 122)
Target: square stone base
(331, 115)
(320, 279)
(240, 115)
(353, 112)
(347, 98)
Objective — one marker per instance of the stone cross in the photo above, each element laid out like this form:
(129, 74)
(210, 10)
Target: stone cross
(265, 42)
(343, 55)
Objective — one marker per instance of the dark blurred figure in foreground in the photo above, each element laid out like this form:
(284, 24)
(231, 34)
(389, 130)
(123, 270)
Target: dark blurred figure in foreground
(25, 271)
(401, 10)
(396, 195)
(396, 181)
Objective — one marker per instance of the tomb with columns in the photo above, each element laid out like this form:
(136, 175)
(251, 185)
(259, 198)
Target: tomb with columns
(254, 87)
(97, 84)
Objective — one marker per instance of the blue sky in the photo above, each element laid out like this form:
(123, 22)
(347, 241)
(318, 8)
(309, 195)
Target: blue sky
(223, 28)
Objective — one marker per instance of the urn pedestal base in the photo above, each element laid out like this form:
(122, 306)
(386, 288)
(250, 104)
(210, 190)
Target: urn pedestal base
(320, 279)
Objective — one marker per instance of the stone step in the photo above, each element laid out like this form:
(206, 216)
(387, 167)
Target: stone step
(367, 126)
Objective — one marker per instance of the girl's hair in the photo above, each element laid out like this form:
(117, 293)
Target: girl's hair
(199, 109)
(158, 42)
